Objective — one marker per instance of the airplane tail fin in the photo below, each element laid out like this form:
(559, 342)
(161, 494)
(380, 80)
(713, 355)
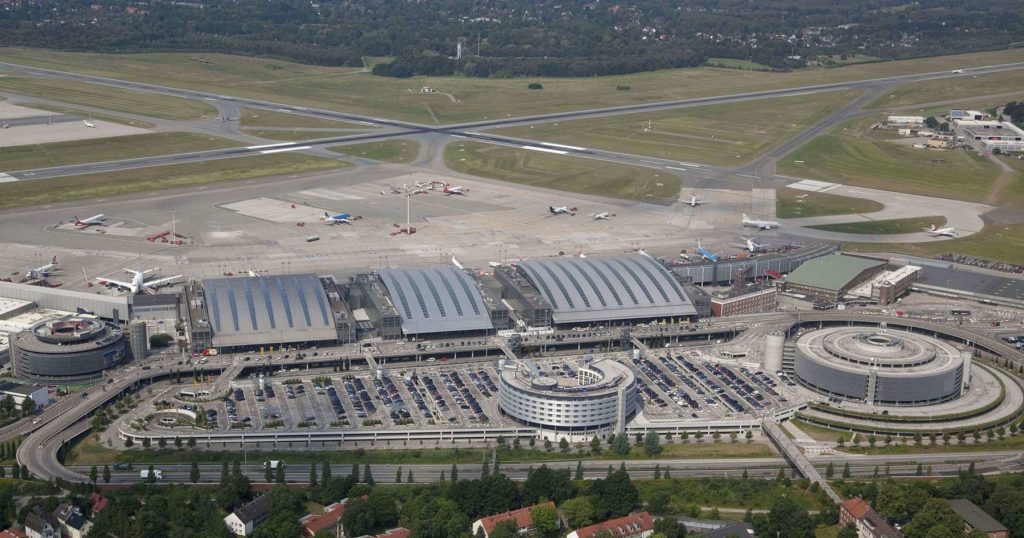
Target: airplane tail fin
(551, 208)
(745, 217)
(932, 229)
(54, 261)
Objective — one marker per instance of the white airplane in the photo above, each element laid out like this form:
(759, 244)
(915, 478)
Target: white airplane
(601, 216)
(44, 271)
(762, 224)
(95, 220)
(453, 190)
(937, 232)
(694, 201)
(340, 218)
(562, 210)
(139, 283)
(751, 246)
(89, 124)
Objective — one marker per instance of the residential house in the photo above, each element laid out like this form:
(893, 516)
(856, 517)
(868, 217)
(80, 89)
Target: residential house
(521, 518)
(740, 530)
(12, 533)
(73, 523)
(244, 520)
(42, 524)
(639, 525)
(869, 523)
(975, 519)
(327, 521)
(99, 503)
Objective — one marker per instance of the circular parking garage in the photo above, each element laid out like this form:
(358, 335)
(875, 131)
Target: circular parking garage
(881, 367)
(600, 395)
(68, 350)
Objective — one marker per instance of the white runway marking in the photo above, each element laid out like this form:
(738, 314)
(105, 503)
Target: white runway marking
(272, 145)
(811, 185)
(7, 178)
(547, 150)
(553, 145)
(281, 150)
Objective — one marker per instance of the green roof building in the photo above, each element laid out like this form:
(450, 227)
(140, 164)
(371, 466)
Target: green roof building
(828, 278)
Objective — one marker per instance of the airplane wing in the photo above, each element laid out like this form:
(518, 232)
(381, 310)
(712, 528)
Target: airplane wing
(160, 281)
(118, 283)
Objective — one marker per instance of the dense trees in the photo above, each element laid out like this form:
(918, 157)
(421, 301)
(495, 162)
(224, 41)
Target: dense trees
(519, 37)
(364, 515)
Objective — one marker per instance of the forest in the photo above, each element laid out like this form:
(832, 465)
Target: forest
(508, 38)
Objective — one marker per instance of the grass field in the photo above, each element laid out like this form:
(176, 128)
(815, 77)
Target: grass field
(88, 452)
(256, 117)
(102, 117)
(107, 98)
(884, 227)
(284, 134)
(71, 188)
(853, 154)
(962, 87)
(106, 149)
(733, 63)
(560, 172)
(684, 493)
(458, 98)
(1004, 243)
(725, 135)
(392, 151)
(819, 433)
(793, 203)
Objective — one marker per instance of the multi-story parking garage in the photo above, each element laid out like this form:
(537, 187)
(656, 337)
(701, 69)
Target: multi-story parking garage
(602, 395)
(882, 367)
(68, 350)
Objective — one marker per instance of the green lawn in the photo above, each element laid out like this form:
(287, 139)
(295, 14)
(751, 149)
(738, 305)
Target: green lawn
(458, 98)
(853, 154)
(73, 188)
(819, 433)
(962, 87)
(884, 227)
(1004, 243)
(725, 135)
(392, 151)
(258, 117)
(560, 172)
(837, 60)
(794, 203)
(107, 149)
(284, 134)
(86, 114)
(684, 493)
(88, 452)
(107, 98)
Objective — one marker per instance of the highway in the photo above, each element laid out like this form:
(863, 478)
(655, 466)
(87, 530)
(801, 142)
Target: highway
(39, 450)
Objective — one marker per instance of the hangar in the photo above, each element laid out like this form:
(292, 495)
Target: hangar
(439, 300)
(585, 290)
(255, 311)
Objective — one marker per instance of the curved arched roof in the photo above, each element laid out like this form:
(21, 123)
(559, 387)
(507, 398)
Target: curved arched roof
(436, 299)
(597, 289)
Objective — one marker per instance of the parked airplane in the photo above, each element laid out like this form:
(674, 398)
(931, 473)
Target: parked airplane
(562, 210)
(453, 190)
(89, 124)
(751, 246)
(44, 271)
(139, 283)
(694, 201)
(937, 232)
(95, 220)
(705, 253)
(762, 224)
(340, 218)
(601, 216)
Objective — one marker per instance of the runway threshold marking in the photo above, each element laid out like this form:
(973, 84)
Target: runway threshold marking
(547, 150)
(677, 168)
(272, 145)
(553, 145)
(281, 150)
(7, 178)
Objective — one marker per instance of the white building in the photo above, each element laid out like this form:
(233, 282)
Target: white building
(905, 120)
(244, 520)
(20, 393)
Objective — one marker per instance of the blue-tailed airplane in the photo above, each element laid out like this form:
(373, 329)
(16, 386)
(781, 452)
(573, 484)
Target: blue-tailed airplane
(340, 218)
(705, 253)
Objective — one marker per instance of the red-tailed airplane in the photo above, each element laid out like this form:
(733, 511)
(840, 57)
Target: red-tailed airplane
(95, 220)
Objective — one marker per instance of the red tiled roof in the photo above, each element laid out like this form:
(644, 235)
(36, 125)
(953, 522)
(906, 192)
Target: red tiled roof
(521, 517)
(331, 516)
(99, 502)
(400, 532)
(630, 525)
(12, 533)
(856, 506)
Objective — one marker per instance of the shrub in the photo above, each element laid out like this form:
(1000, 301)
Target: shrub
(535, 86)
